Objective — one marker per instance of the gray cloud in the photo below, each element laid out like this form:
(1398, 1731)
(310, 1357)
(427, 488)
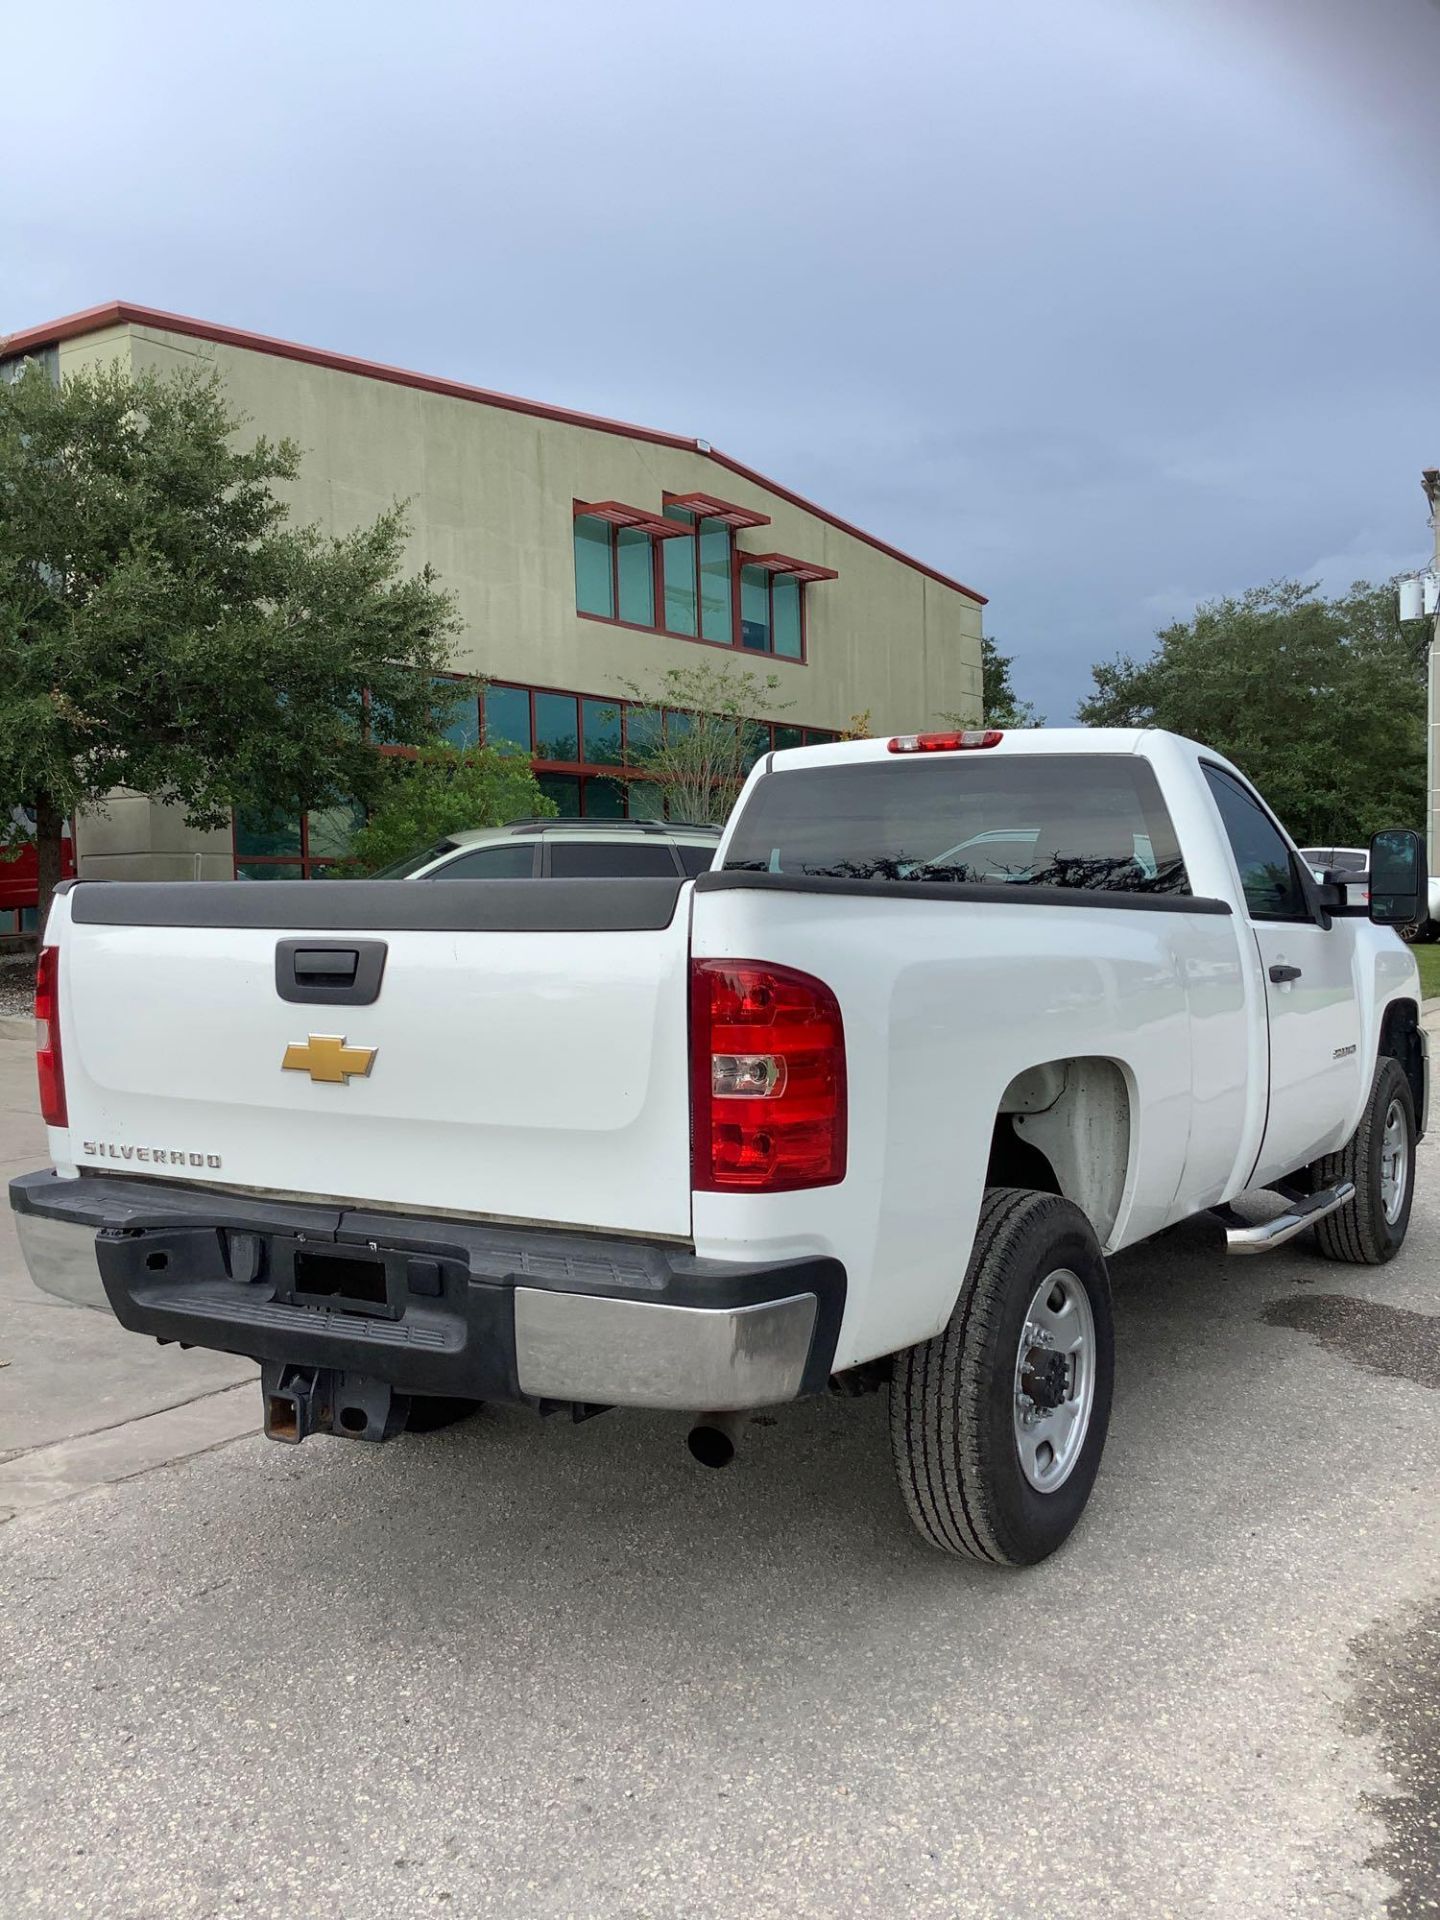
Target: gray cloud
(1100, 306)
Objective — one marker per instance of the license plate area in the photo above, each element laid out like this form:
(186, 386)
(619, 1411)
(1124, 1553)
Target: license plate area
(340, 1279)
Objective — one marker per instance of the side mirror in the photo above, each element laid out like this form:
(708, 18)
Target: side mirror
(1398, 880)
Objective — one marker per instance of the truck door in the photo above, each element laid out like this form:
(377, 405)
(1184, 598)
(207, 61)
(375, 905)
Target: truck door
(1307, 975)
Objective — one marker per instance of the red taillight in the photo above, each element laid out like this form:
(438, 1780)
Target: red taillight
(946, 742)
(48, 1064)
(767, 1079)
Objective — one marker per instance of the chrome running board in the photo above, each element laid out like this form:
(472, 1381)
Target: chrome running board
(1243, 1237)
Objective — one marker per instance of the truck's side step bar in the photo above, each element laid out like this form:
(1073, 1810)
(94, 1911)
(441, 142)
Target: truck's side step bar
(1243, 1236)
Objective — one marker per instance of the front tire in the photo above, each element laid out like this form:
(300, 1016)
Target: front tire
(1380, 1158)
(998, 1423)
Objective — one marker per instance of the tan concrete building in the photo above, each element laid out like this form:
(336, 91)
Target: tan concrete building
(585, 555)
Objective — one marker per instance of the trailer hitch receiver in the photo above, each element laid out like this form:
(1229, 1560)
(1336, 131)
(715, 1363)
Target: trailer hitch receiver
(304, 1400)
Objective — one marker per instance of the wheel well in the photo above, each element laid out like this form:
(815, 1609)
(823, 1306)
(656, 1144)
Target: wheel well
(1400, 1038)
(1064, 1127)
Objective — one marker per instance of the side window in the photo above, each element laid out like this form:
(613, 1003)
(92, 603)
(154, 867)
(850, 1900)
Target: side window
(1267, 872)
(611, 859)
(695, 860)
(514, 862)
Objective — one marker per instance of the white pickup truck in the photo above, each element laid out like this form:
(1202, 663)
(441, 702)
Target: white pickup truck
(953, 1017)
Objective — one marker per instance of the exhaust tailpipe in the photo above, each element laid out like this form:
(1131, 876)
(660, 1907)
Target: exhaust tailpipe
(715, 1436)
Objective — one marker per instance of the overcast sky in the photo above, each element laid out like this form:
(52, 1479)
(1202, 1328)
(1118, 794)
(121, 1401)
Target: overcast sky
(1104, 306)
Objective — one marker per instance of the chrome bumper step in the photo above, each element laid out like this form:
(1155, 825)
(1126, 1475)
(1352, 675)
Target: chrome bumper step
(1244, 1236)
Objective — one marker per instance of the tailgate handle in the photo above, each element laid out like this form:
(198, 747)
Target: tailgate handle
(314, 963)
(345, 973)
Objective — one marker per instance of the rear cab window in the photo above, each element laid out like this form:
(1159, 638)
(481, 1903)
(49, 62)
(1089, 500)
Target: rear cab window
(1094, 822)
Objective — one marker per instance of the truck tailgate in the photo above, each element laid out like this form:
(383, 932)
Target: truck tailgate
(529, 1045)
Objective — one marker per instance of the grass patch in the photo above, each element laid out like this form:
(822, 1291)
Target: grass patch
(1429, 960)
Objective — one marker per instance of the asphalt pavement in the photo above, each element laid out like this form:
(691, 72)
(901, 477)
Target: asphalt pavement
(532, 1669)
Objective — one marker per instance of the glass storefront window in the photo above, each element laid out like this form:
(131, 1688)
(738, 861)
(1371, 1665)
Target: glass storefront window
(601, 744)
(604, 800)
(643, 730)
(457, 716)
(328, 834)
(557, 735)
(256, 834)
(507, 716)
(564, 790)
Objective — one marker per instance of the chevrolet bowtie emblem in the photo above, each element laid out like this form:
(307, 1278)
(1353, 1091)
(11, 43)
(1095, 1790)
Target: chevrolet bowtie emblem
(325, 1056)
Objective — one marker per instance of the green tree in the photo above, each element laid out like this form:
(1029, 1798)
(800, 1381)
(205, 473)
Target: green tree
(443, 790)
(1321, 702)
(164, 627)
(693, 737)
(1002, 706)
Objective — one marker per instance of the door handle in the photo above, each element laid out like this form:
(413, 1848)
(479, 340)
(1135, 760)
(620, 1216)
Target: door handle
(1282, 976)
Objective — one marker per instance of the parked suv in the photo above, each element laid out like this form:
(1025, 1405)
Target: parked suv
(565, 850)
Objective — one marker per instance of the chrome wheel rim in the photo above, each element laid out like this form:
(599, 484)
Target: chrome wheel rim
(1394, 1162)
(1054, 1380)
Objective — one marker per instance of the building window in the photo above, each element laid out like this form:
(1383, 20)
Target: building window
(681, 574)
(578, 740)
(594, 569)
(614, 571)
(576, 743)
(305, 847)
(46, 358)
(507, 717)
(557, 729)
(772, 613)
(457, 717)
(699, 579)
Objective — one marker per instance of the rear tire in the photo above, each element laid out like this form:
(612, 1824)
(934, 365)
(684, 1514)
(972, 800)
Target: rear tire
(973, 1411)
(429, 1412)
(1380, 1158)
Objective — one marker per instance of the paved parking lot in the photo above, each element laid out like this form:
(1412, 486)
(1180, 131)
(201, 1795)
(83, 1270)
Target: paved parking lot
(540, 1670)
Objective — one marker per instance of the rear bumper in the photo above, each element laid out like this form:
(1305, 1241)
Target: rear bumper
(483, 1312)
